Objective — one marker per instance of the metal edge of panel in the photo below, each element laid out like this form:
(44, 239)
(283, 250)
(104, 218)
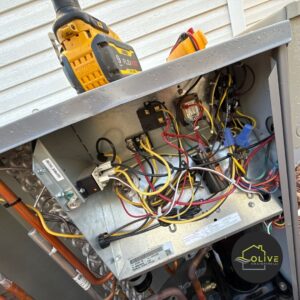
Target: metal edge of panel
(292, 222)
(278, 118)
(145, 83)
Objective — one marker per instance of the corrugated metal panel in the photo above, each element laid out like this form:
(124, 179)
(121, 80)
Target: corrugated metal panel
(30, 75)
(255, 10)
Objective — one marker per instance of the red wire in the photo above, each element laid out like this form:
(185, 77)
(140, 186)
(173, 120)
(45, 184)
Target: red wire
(214, 199)
(185, 136)
(127, 211)
(163, 134)
(257, 149)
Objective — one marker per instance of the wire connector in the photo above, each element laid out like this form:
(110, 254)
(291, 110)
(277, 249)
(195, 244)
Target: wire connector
(103, 240)
(242, 139)
(102, 174)
(228, 138)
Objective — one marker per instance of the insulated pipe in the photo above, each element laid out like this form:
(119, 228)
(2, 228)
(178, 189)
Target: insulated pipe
(169, 292)
(77, 277)
(192, 273)
(8, 195)
(13, 289)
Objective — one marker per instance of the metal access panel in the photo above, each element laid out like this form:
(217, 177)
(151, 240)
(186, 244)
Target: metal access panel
(61, 157)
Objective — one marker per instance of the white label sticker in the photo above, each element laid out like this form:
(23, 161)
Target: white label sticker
(52, 169)
(212, 228)
(82, 281)
(151, 256)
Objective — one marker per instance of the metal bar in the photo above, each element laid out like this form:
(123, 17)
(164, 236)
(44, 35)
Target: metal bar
(289, 153)
(30, 127)
(277, 103)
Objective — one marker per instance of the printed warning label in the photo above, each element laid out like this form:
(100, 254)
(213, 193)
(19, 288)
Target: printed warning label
(151, 256)
(52, 169)
(212, 228)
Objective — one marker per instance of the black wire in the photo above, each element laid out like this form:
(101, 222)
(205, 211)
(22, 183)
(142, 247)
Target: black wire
(131, 223)
(252, 82)
(131, 234)
(57, 218)
(110, 143)
(255, 144)
(193, 85)
(229, 155)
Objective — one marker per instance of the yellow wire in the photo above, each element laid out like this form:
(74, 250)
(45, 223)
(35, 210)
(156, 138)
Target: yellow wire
(212, 126)
(48, 230)
(166, 184)
(223, 98)
(247, 117)
(236, 162)
(152, 160)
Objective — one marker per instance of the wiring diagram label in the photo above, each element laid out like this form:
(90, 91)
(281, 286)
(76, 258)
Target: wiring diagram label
(52, 169)
(151, 256)
(212, 228)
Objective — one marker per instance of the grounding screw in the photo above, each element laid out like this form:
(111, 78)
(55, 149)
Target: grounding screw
(251, 204)
(41, 171)
(282, 286)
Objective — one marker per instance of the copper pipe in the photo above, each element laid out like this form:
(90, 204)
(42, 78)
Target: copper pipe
(113, 290)
(172, 269)
(192, 273)
(68, 268)
(8, 195)
(13, 288)
(169, 292)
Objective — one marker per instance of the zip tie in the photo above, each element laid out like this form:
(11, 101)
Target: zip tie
(233, 181)
(8, 205)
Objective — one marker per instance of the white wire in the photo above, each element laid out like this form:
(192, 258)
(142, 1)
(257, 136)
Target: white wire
(172, 204)
(232, 181)
(122, 181)
(39, 196)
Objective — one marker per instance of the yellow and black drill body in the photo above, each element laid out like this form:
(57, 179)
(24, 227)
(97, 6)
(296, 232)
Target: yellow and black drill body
(91, 54)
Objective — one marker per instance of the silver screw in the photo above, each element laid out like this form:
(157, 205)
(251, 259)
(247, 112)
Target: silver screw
(282, 286)
(82, 190)
(251, 204)
(41, 171)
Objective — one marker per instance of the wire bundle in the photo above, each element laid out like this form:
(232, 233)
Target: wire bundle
(170, 196)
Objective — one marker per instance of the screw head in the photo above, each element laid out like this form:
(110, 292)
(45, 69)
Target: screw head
(282, 286)
(41, 171)
(251, 204)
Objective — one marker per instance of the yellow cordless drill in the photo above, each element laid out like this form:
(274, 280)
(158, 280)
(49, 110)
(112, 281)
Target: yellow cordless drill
(91, 53)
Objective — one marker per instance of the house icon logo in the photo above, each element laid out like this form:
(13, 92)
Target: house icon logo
(253, 258)
(256, 257)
